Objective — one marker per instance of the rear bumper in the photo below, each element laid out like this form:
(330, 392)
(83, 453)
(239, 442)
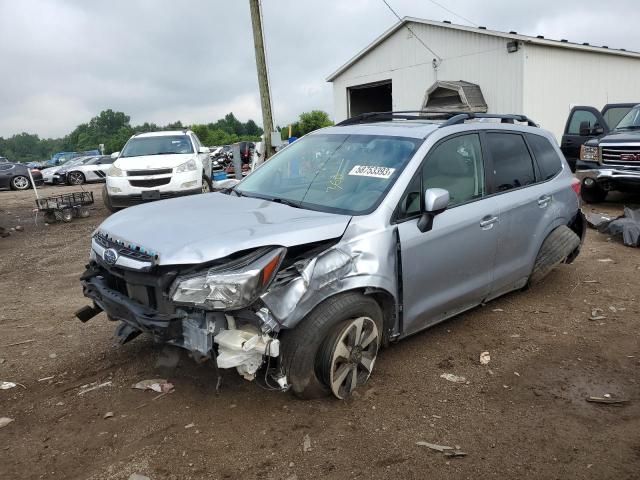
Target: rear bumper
(120, 307)
(123, 201)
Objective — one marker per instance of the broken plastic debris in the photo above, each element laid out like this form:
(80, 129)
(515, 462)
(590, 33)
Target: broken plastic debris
(4, 421)
(190, 425)
(607, 400)
(448, 451)
(453, 378)
(306, 444)
(605, 260)
(93, 386)
(498, 310)
(159, 385)
(485, 358)
(7, 385)
(108, 415)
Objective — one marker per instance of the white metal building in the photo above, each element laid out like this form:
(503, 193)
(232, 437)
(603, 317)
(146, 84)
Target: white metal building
(476, 69)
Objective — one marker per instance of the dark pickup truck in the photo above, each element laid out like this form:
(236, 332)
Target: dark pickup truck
(603, 148)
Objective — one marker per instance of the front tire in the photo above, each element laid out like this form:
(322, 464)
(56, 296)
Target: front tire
(20, 182)
(107, 201)
(594, 194)
(334, 348)
(75, 178)
(207, 187)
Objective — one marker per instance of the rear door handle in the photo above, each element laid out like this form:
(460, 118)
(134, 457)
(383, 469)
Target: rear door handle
(487, 222)
(544, 200)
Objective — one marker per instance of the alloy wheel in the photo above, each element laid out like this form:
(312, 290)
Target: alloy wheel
(353, 357)
(76, 178)
(21, 182)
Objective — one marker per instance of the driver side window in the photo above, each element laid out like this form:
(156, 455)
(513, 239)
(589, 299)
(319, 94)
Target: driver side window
(455, 165)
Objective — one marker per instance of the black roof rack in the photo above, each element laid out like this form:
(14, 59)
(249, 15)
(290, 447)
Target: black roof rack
(451, 118)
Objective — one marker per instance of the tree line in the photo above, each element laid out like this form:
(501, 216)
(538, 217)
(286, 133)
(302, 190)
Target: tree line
(113, 129)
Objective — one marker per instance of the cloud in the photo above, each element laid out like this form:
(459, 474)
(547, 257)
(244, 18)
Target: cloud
(159, 60)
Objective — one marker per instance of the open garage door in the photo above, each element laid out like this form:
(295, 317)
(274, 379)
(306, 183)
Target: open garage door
(458, 96)
(372, 97)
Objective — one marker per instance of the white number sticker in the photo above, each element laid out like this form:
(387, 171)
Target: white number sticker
(372, 171)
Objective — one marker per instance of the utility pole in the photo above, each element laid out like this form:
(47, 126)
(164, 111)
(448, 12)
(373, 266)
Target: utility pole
(263, 76)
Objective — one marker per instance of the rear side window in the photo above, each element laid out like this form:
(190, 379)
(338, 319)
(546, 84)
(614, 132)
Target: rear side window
(548, 160)
(512, 163)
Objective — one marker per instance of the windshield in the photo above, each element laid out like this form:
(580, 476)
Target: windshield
(162, 145)
(347, 174)
(631, 120)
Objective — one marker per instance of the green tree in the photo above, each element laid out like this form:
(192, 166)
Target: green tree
(313, 120)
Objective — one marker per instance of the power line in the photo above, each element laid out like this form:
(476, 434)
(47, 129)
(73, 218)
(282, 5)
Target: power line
(453, 13)
(439, 58)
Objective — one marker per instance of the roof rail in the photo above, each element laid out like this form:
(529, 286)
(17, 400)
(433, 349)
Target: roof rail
(505, 118)
(401, 115)
(451, 118)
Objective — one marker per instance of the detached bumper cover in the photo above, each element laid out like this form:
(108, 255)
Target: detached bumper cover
(611, 174)
(120, 307)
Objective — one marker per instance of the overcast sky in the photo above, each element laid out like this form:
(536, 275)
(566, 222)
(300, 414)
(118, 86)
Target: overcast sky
(63, 61)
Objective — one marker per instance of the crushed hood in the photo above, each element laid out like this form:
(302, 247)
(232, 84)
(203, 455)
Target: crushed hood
(201, 228)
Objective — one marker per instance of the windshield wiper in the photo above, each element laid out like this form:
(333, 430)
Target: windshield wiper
(284, 201)
(629, 127)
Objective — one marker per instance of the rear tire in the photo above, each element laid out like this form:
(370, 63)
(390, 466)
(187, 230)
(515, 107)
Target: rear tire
(107, 200)
(594, 194)
(20, 182)
(309, 348)
(555, 249)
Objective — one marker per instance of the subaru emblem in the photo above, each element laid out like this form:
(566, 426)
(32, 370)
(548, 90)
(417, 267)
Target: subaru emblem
(110, 256)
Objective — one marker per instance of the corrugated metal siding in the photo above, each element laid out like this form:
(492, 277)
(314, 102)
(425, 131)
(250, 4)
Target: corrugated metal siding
(557, 79)
(467, 56)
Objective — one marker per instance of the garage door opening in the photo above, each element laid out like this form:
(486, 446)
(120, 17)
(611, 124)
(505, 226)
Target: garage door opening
(373, 97)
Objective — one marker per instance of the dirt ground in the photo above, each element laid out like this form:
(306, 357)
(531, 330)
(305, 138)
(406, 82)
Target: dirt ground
(523, 415)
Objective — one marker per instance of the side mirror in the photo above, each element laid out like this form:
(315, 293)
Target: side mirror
(115, 155)
(204, 150)
(435, 202)
(585, 129)
(597, 130)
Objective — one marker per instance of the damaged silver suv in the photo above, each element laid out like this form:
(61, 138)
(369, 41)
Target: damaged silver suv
(352, 237)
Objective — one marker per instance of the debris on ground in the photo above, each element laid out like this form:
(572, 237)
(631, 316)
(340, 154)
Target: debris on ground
(450, 377)
(607, 400)
(108, 415)
(7, 385)
(137, 476)
(190, 425)
(306, 443)
(93, 386)
(485, 358)
(46, 378)
(596, 314)
(497, 310)
(4, 421)
(159, 385)
(605, 260)
(169, 357)
(625, 227)
(19, 343)
(447, 451)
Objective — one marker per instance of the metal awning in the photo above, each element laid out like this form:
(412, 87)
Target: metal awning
(456, 96)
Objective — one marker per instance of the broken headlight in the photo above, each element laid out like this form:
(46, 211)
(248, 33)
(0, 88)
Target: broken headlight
(230, 287)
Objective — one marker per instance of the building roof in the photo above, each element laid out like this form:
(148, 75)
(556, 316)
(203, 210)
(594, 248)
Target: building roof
(539, 40)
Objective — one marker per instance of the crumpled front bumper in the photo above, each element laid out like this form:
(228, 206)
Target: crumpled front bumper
(611, 175)
(117, 306)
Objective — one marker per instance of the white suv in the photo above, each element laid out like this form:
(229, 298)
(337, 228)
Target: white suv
(157, 165)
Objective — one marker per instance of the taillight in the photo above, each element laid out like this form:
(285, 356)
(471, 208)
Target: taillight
(576, 186)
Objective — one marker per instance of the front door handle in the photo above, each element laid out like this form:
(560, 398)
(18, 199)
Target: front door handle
(487, 222)
(544, 200)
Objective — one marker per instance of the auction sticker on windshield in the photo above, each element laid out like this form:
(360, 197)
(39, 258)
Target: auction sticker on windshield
(372, 171)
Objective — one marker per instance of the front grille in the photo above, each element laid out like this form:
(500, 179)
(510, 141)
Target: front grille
(126, 250)
(144, 173)
(154, 182)
(621, 155)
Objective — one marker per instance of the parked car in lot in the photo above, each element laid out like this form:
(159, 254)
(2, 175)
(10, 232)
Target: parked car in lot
(50, 174)
(4, 160)
(157, 165)
(352, 237)
(16, 176)
(609, 159)
(92, 169)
